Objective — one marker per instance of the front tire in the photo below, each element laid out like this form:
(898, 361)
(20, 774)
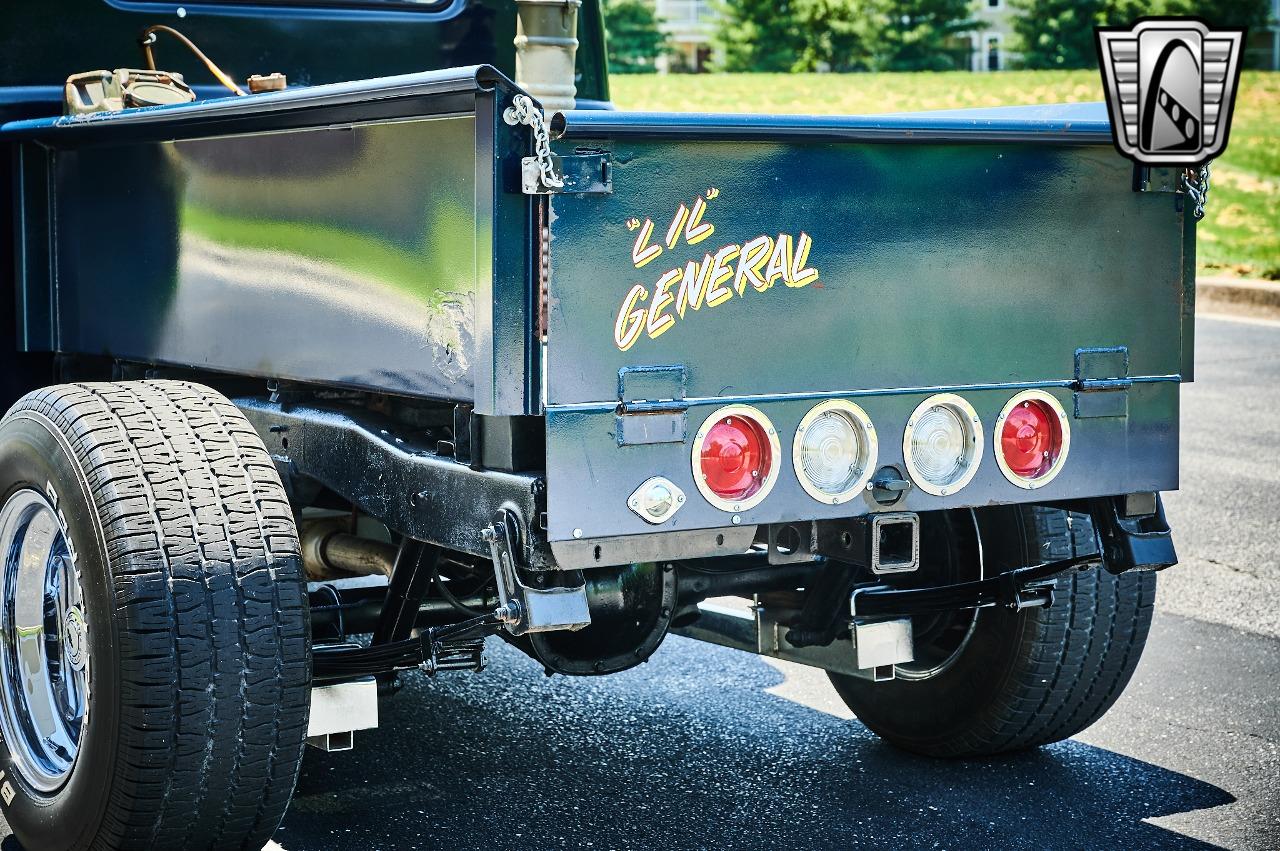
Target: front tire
(184, 729)
(1014, 680)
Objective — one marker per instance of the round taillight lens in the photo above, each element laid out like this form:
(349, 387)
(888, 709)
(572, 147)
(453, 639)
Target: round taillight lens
(942, 444)
(1030, 439)
(735, 457)
(1033, 435)
(834, 451)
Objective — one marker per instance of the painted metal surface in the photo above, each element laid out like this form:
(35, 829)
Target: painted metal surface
(393, 476)
(360, 234)
(356, 234)
(937, 264)
(1081, 123)
(405, 95)
(972, 253)
(325, 255)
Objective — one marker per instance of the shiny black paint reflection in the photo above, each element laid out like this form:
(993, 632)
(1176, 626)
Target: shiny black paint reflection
(941, 264)
(334, 255)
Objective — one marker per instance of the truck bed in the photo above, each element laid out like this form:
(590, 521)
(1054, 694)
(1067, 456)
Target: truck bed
(373, 236)
(978, 252)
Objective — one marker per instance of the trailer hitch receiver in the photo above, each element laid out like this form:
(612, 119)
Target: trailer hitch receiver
(887, 542)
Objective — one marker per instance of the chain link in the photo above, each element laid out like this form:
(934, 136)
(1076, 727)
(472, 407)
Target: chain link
(1196, 184)
(523, 111)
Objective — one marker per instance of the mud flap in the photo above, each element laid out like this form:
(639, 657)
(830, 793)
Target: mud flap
(1133, 532)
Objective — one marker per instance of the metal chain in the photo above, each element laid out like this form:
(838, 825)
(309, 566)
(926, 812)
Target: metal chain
(523, 111)
(1196, 184)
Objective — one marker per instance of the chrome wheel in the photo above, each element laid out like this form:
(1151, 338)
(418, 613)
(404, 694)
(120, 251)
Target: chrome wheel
(44, 649)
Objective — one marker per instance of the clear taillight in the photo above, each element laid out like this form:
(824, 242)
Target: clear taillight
(834, 451)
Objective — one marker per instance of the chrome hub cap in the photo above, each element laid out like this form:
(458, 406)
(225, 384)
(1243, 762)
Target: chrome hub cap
(74, 639)
(44, 642)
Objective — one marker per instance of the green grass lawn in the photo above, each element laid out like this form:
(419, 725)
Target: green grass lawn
(1241, 231)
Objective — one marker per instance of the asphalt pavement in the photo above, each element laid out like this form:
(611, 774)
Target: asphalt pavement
(706, 747)
(1226, 516)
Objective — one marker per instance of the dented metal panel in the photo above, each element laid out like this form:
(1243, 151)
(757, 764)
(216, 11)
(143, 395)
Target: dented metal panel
(343, 256)
(357, 235)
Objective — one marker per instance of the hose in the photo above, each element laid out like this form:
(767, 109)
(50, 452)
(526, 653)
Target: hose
(449, 597)
(148, 38)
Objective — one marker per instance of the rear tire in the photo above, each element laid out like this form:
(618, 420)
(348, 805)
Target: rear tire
(1020, 679)
(193, 630)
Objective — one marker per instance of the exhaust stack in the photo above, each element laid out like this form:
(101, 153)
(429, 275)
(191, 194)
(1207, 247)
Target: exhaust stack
(546, 51)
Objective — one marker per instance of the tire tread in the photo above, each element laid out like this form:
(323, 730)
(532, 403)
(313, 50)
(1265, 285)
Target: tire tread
(1047, 672)
(209, 608)
(1079, 653)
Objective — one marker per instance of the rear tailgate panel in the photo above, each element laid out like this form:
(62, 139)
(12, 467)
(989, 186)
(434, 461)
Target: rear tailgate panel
(947, 258)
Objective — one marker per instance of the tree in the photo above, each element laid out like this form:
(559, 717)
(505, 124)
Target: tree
(1059, 33)
(759, 35)
(634, 40)
(844, 35)
(922, 35)
(839, 35)
(1220, 13)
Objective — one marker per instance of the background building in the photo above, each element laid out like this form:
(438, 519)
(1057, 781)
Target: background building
(991, 44)
(1262, 50)
(690, 26)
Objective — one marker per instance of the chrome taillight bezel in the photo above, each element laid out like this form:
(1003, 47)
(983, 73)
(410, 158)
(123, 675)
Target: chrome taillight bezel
(973, 437)
(869, 442)
(1064, 423)
(768, 480)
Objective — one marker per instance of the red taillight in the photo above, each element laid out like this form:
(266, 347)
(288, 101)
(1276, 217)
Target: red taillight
(1031, 438)
(736, 457)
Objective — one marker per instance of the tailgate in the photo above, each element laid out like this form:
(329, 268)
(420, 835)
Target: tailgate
(777, 262)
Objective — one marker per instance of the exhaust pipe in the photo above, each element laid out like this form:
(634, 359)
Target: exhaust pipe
(547, 50)
(338, 710)
(328, 547)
